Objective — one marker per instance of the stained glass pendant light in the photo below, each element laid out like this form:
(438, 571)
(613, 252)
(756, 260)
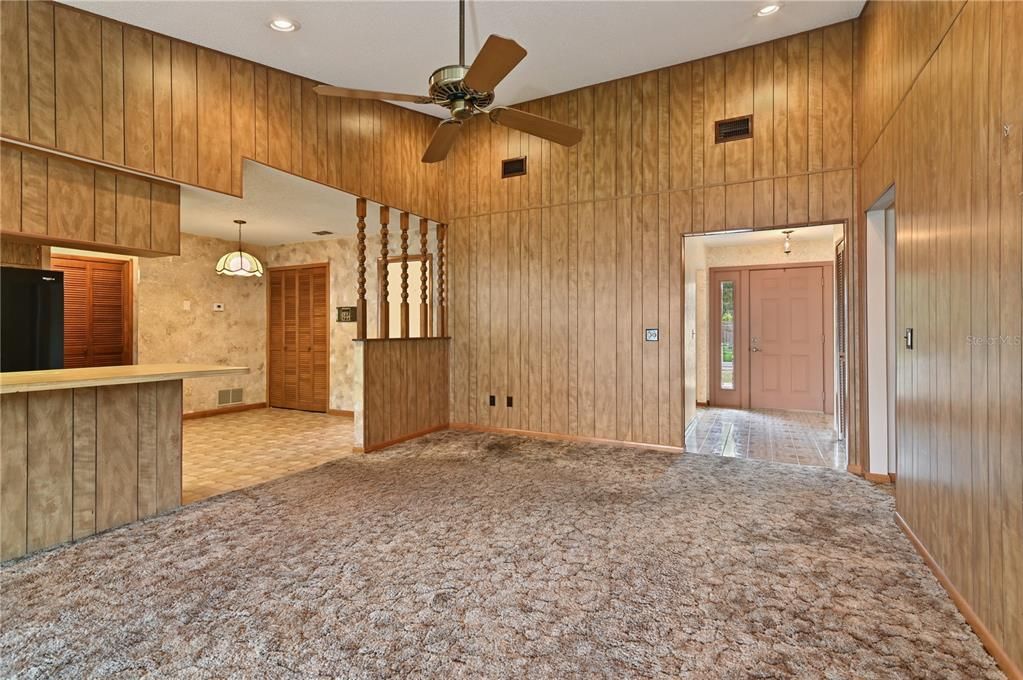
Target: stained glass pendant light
(238, 262)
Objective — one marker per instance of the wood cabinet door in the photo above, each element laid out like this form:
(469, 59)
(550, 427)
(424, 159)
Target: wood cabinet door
(299, 345)
(97, 311)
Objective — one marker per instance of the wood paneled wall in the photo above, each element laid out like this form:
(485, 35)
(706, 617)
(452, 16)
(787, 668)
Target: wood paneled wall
(78, 461)
(106, 91)
(556, 274)
(958, 177)
(46, 198)
(401, 390)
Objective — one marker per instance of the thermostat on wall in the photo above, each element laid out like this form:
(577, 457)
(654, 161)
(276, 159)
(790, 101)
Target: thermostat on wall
(218, 306)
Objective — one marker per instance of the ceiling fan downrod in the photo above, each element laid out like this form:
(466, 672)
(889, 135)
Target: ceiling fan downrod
(461, 32)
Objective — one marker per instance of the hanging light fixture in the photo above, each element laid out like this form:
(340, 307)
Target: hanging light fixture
(238, 262)
(788, 241)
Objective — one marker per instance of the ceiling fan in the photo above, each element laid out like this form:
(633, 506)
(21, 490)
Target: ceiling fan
(467, 91)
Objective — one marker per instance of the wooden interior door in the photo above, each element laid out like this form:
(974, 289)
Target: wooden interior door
(298, 342)
(97, 311)
(787, 338)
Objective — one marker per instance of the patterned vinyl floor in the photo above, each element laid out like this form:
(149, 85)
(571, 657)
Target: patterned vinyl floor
(236, 450)
(798, 437)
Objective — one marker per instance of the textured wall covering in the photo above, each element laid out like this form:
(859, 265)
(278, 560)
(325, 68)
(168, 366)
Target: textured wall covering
(820, 250)
(17, 254)
(168, 332)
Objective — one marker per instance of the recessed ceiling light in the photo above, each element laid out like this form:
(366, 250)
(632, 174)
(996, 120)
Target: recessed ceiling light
(768, 10)
(284, 25)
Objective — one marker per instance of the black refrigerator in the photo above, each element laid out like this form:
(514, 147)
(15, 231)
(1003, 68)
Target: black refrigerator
(31, 319)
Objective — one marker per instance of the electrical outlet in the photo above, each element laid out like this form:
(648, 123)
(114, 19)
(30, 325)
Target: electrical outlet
(651, 335)
(186, 305)
(493, 400)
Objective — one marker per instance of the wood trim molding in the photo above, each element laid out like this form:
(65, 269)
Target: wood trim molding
(986, 638)
(340, 412)
(878, 478)
(398, 440)
(235, 408)
(564, 437)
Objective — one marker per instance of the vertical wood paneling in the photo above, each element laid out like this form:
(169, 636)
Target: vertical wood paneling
(41, 73)
(168, 445)
(116, 455)
(49, 484)
(184, 103)
(84, 463)
(243, 119)
(213, 107)
(139, 99)
(14, 90)
(113, 92)
(163, 114)
(70, 203)
(147, 448)
(13, 475)
(77, 45)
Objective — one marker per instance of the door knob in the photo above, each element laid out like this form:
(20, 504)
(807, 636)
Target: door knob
(754, 349)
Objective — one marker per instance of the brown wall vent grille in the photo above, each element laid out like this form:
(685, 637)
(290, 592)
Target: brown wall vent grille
(732, 129)
(513, 167)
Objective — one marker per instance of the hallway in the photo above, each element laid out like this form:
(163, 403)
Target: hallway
(796, 437)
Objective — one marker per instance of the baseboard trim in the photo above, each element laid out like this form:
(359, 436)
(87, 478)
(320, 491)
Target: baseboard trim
(236, 408)
(986, 638)
(854, 469)
(564, 437)
(878, 478)
(398, 440)
(340, 412)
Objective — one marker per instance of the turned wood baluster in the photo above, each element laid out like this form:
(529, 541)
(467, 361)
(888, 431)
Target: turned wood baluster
(424, 305)
(442, 289)
(385, 309)
(360, 305)
(404, 274)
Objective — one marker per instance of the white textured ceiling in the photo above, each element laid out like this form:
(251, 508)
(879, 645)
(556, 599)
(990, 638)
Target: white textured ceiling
(278, 208)
(395, 45)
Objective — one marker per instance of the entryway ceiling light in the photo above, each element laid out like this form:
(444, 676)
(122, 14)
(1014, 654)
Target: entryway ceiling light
(284, 25)
(768, 10)
(238, 262)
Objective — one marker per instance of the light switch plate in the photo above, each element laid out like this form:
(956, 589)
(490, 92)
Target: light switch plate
(218, 306)
(186, 305)
(651, 335)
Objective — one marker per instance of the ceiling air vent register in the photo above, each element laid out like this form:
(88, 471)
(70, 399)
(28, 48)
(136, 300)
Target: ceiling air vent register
(732, 129)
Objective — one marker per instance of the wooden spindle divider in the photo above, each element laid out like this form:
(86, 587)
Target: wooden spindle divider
(424, 305)
(403, 222)
(385, 309)
(360, 305)
(442, 289)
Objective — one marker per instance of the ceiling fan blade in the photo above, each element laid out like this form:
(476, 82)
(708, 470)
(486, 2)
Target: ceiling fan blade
(443, 139)
(539, 126)
(331, 91)
(496, 60)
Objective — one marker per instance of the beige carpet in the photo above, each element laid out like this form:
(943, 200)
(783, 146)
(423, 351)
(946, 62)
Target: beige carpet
(479, 556)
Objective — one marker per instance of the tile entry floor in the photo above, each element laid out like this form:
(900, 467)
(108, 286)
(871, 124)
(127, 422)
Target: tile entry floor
(235, 450)
(799, 437)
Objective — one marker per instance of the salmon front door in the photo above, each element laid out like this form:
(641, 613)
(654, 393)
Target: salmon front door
(787, 338)
(299, 346)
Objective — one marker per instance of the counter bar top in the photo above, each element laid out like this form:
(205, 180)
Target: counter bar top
(69, 378)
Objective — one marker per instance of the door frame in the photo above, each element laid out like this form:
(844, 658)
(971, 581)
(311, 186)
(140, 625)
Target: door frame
(127, 297)
(330, 354)
(742, 326)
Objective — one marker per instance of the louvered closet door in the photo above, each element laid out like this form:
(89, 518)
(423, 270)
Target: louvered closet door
(299, 345)
(97, 311)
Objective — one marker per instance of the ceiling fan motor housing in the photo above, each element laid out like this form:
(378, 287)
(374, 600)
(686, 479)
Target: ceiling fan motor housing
(448, 90)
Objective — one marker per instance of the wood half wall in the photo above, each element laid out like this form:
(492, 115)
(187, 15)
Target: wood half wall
(555, 275)
(106, 91)
(401, 390)
(941, 96)
(75, 462)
